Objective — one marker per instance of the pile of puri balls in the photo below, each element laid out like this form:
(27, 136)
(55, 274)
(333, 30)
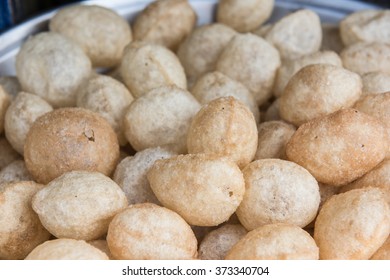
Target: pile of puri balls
(233, 140)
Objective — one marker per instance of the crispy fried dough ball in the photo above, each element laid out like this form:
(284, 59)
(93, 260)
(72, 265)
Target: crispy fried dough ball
(150, 232)
(339, 148)
(364, 57)
(160, 117)
(376, 82)
(53, 67)
(251, 61)
(70, 139)
(5, 101)
(225, 127)
(383, 252)
(10, 85)
(352, 225)
(275, 242)
(109, 98)
(20, 116)
(215, 84)
(146, 66)
(290, 67)
(79, 205)
(165, 23)
(99, 31)
(130, 174)
(318, 90)
(278, 191)
(204, 189)
(66, 249)
(218, 242)
(20, 228)
(379, 177)
(16, 171)
(200, 50)
(296, 34)
(7, 153)
(244, 16)
(366, 26)
(273, 138)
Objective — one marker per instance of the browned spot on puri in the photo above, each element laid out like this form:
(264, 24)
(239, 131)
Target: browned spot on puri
(90, 134)
(230, 194)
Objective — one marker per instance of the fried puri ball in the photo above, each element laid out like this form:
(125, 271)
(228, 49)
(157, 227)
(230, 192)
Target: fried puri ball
(352, 225)
(273, 138)
(215, 84)
(204, 189)
(66, 249)
(79, 205)
(251, 61)
(296, 34)
(70, 139)
(375, 82)
(339, 148)
(224, 127)
(318, 90)
(10, 85)
(146, 231)
(53, 67)
(160, 117)
(20, 228)
(5, 100)
(275, 242)
(99, 31)
(147, 66)
(16, 171)
(165, 23)
(200, 50)
(383, 252)
(244, 16)
(20, 116)
(130, 174)
(107, 97)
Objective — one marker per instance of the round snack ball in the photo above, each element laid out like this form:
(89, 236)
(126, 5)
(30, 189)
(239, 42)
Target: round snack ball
(147, 231)
(331, 39)
(224, 127)
(204, 189)
(379, 177)
(200, 50)
(244, 16)
(102, 245)
(79, 205)
(278, 191)
(70, 139)
(16, 171)
(218, 242)
(383, 252)
(375, 82)
(20, 116)
(53, 67)
(318, 90)
(5, 100)
(165, 23)
(339, 148)
(100, 32)
(160, 117)
(66, 249)
(215, 84)
(107, 97)
(296, 34)
(366, 26)
(273, 138)
(290, 67)
(146, 66)
(20, 228)
(352, 225)
(10, 85)
(275, 242)
(363, 58)
(8, 154)
(251, 61)
(130, 174)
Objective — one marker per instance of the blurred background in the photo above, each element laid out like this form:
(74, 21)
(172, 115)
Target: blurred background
(13, 12)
